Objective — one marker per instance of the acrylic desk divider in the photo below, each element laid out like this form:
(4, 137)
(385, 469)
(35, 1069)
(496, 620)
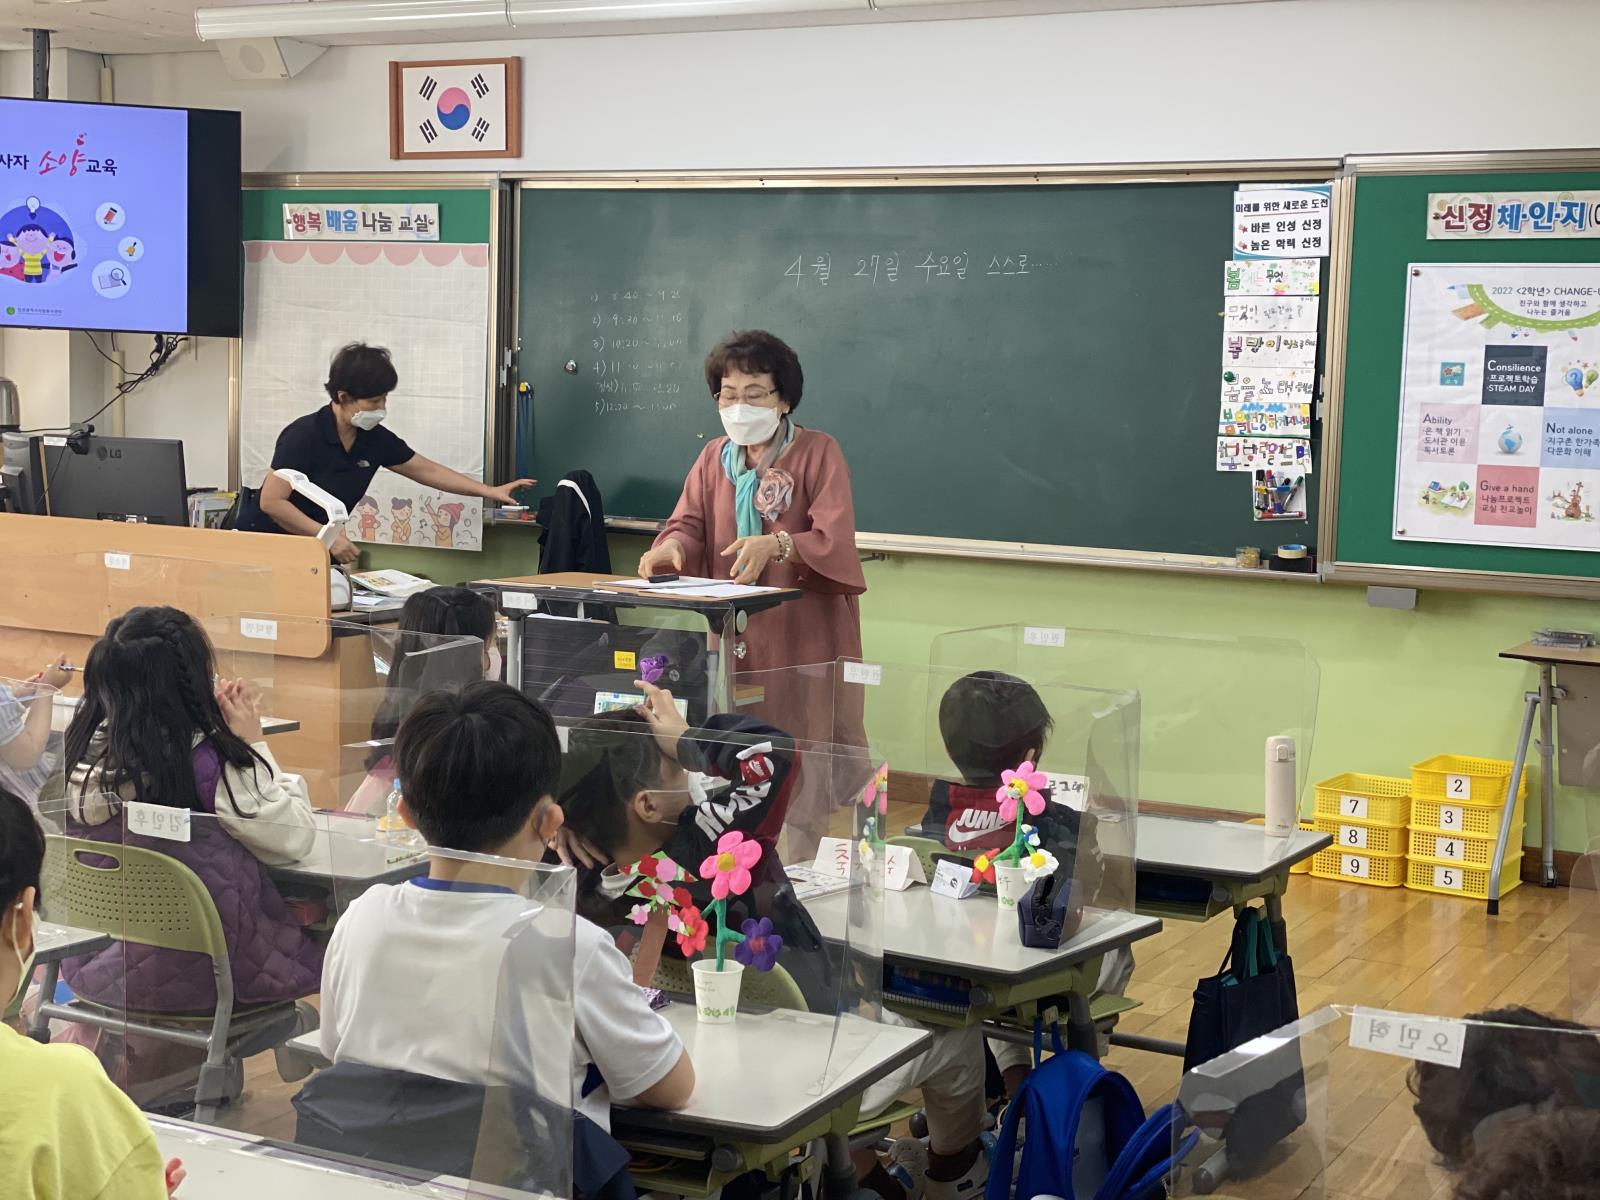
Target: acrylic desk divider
(694, 822)
(1363, 1102)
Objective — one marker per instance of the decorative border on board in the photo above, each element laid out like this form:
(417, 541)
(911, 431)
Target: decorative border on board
(362, 254)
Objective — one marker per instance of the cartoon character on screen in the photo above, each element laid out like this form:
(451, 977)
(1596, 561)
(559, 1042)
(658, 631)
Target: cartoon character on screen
(444, 520)
(10, 262)
(40, 241)
(34, 244)
(63, 255)
(366, 517)
(400, 520)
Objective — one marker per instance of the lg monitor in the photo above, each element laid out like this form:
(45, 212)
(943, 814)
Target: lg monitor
(103, 478)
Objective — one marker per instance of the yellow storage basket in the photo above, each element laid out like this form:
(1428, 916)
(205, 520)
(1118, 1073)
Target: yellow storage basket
(1364, 837)
(1459, 779)
(1373, 799)
(1453, 879)
(1454, 848)
(1360, 868)
(1469, 820)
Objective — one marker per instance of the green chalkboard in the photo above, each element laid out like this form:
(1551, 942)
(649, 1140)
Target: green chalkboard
(1390, 233)
(463, 212)
(1012, 363)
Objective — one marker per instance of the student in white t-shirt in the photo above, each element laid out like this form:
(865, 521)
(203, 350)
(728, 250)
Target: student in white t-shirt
(413, 974)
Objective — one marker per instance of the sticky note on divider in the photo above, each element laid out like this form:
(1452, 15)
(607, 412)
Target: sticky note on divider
(954, 879)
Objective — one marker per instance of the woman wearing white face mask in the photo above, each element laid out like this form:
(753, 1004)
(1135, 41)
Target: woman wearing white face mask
(341, 446)
(770, 503)
(65, 1129)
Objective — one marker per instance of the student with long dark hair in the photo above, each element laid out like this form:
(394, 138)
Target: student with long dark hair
(153, 727)
(428, 619)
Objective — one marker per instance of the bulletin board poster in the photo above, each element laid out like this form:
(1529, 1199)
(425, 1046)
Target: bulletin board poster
(429, 304)
(1500, 406)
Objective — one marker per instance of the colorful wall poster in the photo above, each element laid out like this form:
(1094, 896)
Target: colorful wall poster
(1500, 406)
(1270, 402)
(1480, 216)
(399, 222)
(1272, 277)
(1282, 222)
(429, 305)
(1248, 453)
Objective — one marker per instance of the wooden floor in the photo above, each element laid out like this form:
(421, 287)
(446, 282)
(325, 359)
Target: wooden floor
(1351, 945)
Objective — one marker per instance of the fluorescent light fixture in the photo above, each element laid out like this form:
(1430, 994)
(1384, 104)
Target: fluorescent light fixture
(336, 18)
(577, 12)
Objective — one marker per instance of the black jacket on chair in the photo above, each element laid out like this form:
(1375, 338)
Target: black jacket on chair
(402, 1119)
(572, 527)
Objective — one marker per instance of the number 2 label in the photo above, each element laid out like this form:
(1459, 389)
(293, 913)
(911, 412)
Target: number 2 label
(1458, 787)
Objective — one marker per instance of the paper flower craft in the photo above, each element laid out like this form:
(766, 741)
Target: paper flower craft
(1024, 785)
(651, 669)
(691, 927)
(729, 868)
(876, 794)
(659, 884)
(760, 946)
(983, 869)
(1038, 864)
(639, 914)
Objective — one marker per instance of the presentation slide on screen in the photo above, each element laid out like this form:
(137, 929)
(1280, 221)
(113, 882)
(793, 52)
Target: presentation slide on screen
(94, 228)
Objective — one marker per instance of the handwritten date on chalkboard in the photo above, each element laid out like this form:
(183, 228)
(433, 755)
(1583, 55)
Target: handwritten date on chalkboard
(924, 267)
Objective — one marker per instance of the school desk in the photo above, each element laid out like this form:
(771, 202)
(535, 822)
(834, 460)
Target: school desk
(1584, 667)
(223, 1165)
(759, 1092)
(53, 943)
(977, 941)
(65, 706)
(348, 858)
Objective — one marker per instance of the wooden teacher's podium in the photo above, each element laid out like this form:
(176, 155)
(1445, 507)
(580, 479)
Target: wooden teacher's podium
(262, 598)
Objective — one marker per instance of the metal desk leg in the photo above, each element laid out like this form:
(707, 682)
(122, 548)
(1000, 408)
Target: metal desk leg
(514, 652)
(838, 1172)
(1512, 786)
(39, 1027)
(1081, 1033)
(1276, 923)
(1547, 773)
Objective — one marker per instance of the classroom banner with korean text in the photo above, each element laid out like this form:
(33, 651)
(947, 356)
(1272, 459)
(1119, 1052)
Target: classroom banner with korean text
(1479, 216)
(429, 304)
(1500, 406)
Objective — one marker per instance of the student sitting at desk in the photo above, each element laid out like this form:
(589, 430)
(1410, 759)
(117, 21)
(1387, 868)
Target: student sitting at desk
(413, 969)
(627, 795)
(153, 729)
(440, 612)
(66, 1132)
(26, 759)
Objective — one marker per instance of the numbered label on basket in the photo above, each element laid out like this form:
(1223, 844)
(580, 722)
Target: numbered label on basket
(1452, 848)
(1448, 878)
(1458, 787)
(1355, 866)
(1353, 837)
(1353, 806)
(1450, 817)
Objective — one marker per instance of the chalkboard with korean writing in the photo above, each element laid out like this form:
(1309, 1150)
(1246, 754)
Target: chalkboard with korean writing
(1024, 364)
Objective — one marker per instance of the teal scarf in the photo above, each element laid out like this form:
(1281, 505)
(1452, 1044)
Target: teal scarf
(746, 479)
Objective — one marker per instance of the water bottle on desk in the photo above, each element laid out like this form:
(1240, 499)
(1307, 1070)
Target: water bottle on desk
(392, 827)
(1280, 808)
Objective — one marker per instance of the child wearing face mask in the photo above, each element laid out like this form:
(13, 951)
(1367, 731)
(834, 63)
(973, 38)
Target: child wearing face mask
(427, 620)
(66, 1132)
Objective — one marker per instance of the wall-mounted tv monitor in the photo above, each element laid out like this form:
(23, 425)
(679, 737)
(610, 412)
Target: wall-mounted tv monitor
(120, 217)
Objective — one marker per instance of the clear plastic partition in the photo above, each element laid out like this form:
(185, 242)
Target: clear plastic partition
(1351, 1102)
(1206, 705)
(213, 933)
(986, 763)
(691, 826)
(31, 760)
(1583, 937)
(331, 694)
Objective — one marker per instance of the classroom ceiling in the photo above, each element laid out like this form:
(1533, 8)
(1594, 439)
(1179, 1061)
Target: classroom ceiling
(160, 26)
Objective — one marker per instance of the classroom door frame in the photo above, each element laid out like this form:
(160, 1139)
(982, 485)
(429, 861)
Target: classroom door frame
(1287, 171)
(1336, 570)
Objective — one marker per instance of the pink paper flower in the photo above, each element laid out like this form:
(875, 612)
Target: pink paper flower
(729, 868)
(639, 914)
(1022, 785)
(876, 793)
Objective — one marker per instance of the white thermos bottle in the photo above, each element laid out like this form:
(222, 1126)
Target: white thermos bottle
(1280, 787)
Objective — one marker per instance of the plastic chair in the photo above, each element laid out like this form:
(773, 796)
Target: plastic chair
(153, 900)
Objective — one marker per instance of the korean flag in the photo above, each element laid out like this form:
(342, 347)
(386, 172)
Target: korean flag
(456, 109)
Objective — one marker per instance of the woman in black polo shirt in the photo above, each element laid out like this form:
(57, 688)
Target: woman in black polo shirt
(340, 448)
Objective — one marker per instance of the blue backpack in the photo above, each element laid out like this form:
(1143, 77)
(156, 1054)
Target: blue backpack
(1048, 1107)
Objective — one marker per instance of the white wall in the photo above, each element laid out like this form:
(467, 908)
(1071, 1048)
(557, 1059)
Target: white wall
(1300, 78)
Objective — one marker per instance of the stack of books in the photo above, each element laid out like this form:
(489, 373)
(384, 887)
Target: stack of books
(1563, 639)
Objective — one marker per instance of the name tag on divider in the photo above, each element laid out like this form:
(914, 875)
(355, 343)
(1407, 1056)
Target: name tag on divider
(954, 879)
(833, 858)
(1405, 1035)
(157, 821)
(1069, 790)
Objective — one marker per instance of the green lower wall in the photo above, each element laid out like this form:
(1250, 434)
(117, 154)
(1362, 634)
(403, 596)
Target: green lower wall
(1396, 687)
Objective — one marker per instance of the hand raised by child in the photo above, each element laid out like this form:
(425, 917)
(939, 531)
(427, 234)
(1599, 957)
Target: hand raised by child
(240, 710)
(660, 712)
